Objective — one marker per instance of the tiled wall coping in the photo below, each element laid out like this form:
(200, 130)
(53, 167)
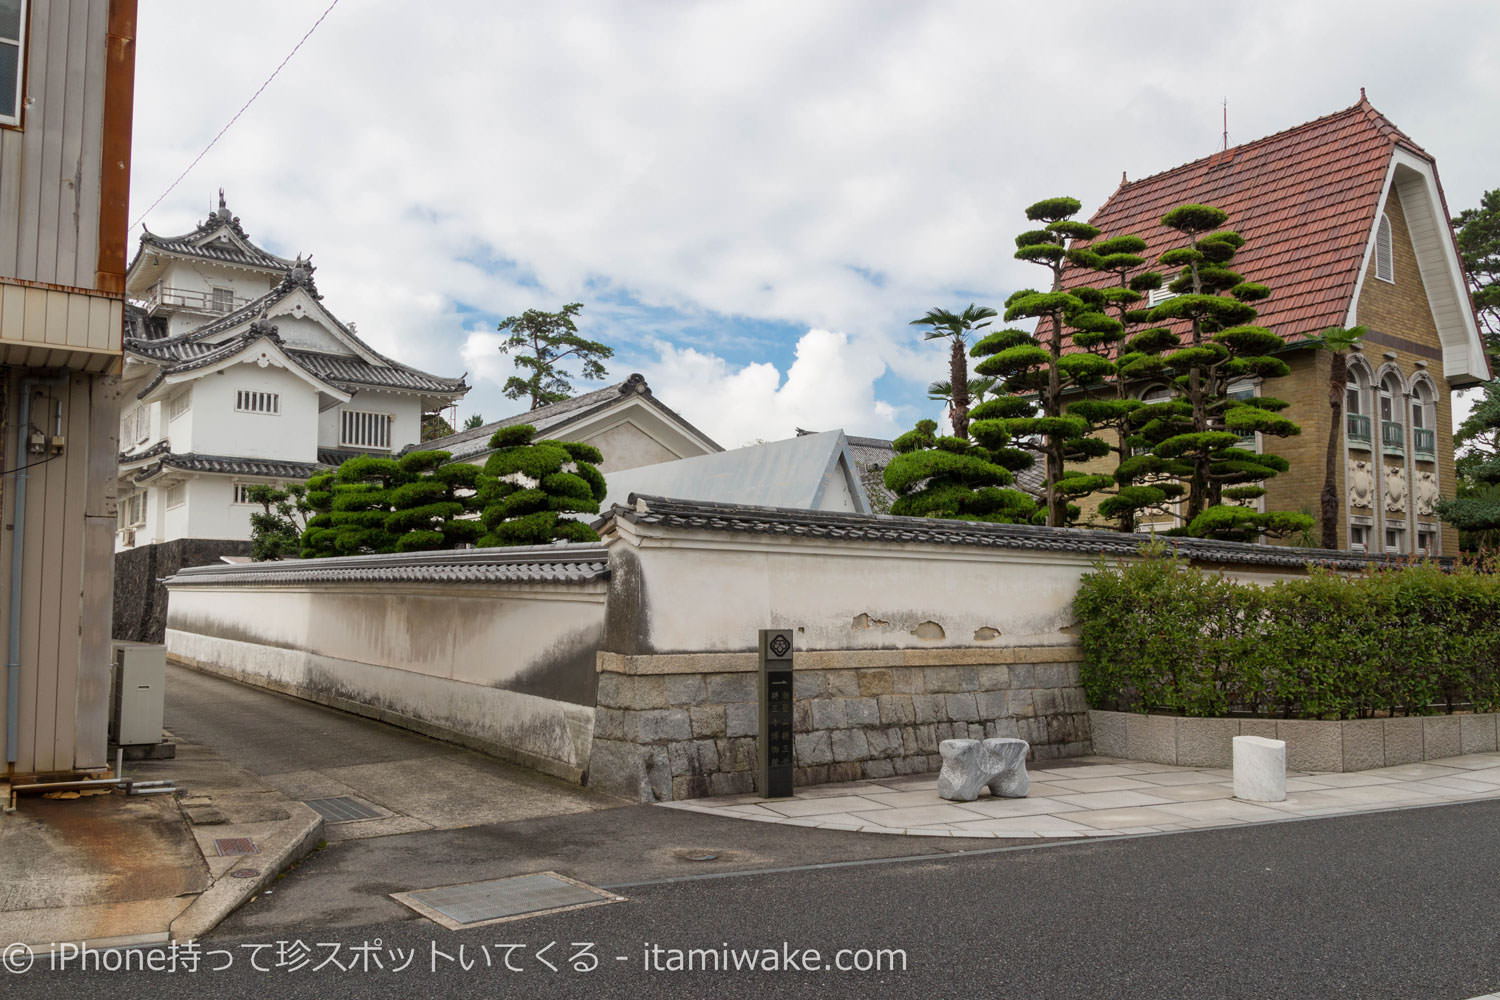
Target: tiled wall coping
(1311, 745)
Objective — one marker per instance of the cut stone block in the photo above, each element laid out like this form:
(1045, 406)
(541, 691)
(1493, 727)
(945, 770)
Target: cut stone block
(1259, 769)
(969, 765)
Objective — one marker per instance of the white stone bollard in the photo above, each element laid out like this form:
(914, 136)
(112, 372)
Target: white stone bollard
(1259, 769)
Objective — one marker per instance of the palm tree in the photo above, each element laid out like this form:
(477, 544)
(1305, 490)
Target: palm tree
(956, 327)
(1338, 342)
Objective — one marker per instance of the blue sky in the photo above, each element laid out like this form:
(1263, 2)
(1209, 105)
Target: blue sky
(752, 200)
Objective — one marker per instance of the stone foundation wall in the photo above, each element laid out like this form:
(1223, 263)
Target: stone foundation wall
(140, 608)
(675, 726)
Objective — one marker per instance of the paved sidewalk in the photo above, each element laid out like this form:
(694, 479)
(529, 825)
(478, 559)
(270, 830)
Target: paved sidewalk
(1104, 797)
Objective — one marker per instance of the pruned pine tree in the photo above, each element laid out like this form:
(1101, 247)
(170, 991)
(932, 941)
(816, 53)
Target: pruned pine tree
(371, 504)
(530, 489)
(1139, 486)
(949, 477)
(1198, 434)
(1035, 370)
(276, 529)
(540, 344)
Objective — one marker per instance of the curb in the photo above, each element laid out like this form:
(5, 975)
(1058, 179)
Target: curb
(227, 894)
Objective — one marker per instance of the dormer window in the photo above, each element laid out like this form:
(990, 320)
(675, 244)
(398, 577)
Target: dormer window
(1157, 296)
(1385, 259)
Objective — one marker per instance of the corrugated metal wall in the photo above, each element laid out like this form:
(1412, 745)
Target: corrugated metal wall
(64, 682)
(50, 168)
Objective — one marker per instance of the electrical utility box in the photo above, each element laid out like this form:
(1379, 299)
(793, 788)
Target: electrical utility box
(776, 753)
(139, 683)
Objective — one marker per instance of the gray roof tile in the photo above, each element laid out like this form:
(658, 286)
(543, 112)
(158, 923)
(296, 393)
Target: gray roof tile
(560, 563)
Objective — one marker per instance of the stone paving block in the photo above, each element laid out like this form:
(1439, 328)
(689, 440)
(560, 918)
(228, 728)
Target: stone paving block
(1151, 737)
(1441, 737)
(1364, 744)
(1477, 733)
(1206, 742)
(1403, 741)
(1311, 746)
(883, 768)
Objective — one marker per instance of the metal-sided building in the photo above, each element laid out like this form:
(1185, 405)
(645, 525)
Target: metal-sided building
(66, 91)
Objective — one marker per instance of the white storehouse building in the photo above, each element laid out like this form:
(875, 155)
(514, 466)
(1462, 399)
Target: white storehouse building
(237, 374)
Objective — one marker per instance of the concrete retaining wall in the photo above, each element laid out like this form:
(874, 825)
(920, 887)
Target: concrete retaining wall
(1311, 745)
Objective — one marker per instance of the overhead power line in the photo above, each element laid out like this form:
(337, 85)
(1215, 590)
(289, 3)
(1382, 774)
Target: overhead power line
(237, 114)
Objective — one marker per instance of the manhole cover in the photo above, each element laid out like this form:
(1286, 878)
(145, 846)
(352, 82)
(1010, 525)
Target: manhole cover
(475, 903)
(343, 809)
(244, 873)
(701, 856)
(231, 846)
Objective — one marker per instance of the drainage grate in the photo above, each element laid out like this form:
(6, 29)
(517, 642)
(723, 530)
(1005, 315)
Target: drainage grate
(343, 809)
(460, 906)
(233, 846)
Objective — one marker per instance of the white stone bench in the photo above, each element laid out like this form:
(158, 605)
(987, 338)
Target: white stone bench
(969, 765)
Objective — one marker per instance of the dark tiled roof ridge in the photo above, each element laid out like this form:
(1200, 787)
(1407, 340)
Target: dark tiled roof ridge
(888, 528)
(568, 562)
(1380, 121)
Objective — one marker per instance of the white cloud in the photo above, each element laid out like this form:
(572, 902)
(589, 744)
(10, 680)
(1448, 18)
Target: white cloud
(830, 385)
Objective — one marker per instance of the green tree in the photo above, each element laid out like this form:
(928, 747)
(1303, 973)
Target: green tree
(530, 489)
(1338, 342)
(1198, 433)
(950, 477)
(372, 504)
(550, 339)
(473, 421)
(1477, 231)
(956, 328)
(434, 426)
(1035, 372)
(276, 529)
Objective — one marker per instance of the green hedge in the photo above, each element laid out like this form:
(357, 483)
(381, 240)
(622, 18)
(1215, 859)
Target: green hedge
(1161, 636)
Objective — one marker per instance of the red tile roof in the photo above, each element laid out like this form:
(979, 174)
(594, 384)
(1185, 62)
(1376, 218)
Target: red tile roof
(1304, 200)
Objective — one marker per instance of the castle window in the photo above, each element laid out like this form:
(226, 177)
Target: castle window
(12, 59)
(250, 401)
(1385, 261)
(363, 429)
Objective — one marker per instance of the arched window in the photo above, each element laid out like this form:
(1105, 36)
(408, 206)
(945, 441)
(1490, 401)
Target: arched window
(1392, 403)
(1423, 420)
(1385, 259)
(1357, 422)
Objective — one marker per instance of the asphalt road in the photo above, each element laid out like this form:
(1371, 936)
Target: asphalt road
(1397, 904)
(1387, 905)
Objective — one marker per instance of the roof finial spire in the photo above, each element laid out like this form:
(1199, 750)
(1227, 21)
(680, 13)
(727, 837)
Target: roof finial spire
(1362, 94)
(1226, 123)
(222, 206)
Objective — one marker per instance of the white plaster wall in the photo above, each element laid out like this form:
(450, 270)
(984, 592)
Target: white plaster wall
(289, 435)
(477, 660)
(298, 330)
(180, 429)
(213, 512)
(202, 277)
(626, 446)
(175, 520)
(713, 591)
(406, 428)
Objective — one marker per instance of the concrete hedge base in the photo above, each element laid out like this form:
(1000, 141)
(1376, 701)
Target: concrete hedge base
(1311, 745)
